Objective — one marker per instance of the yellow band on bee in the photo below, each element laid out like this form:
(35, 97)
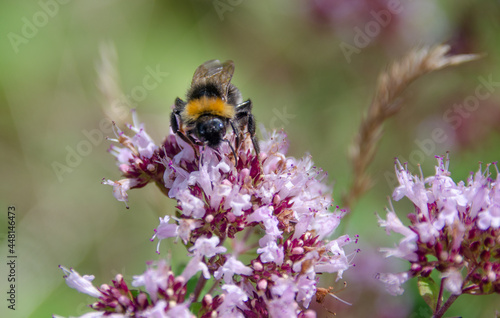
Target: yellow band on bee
(207, 106)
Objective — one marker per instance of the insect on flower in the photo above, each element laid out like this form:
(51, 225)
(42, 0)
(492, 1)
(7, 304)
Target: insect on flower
(213, 104)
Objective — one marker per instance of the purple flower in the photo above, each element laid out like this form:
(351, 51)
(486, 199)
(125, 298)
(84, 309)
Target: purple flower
(166, 294)
(121, 187)
(155, 279)
(393, 282)
(191, 205)
(223, 201)
(165, 230)
(407, 245)
(232, 267)
(283, 303)
(233, 301)
(195, 265)
(207, 247)
(270, 251)
(454, 229)
(82, 284)
(453, 281)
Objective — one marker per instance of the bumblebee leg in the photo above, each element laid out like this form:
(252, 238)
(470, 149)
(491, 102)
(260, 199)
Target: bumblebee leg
(190, 140)
(237, 134)
(251, 131)
(194, 141)
(175, 127)
(245, 117)
(176, 113)
(173, 123)
(237, 142)
(234, 152)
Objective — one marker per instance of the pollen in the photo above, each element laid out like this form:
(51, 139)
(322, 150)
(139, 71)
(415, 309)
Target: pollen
(207, 106)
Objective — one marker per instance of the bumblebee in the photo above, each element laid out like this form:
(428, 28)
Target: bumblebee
(213, 105)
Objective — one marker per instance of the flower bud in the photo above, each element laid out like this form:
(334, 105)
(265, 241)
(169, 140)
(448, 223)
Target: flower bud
(443, 256)
(474, 246)
(257, 266)
(438, 248)
(297, 250)
(262, 284)
(209, 218)
(416, 267)
(142, 300)
(308, 314)
(124, 301)
(207, 300)
(489, 242)
(426, 271)
(169, 292)
(485, 256)
(492, 276)
(457, 259)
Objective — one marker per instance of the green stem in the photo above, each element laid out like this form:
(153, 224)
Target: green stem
(215, 284)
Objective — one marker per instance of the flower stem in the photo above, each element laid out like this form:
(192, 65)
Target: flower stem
(248, 233)
(216, 283)
(445, 307)
(199, 287)
(440, 296)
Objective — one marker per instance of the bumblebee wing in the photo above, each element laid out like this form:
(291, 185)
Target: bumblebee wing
(216, 72)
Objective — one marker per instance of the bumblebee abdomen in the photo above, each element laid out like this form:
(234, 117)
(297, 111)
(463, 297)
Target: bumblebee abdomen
(206, 106)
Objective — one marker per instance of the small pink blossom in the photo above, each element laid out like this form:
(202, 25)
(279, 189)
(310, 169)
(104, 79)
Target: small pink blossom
(207, 247)
(191, 205)
(185, 228)
(234, 300)
(165, 230)
(306, 290)
(195, 265)
(393, 282)
(407, 246)
(232, 267)
(81, 284)
(154, 279)
(121, 187)
(283, 304)
(271, 252)
(453, 281)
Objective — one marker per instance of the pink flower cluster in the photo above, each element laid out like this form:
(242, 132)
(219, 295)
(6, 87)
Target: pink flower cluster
(454, 230)
(164, 293)
(279, 198)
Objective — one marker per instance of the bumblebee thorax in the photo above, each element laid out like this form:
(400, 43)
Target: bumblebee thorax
(206, 105)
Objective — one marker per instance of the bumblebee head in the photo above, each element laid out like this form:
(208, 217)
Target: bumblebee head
(211, 130)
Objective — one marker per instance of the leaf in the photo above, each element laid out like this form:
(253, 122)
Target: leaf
(195, 307)
(429, 291)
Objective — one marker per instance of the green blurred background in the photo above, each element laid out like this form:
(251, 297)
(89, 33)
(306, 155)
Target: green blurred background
(288, 60)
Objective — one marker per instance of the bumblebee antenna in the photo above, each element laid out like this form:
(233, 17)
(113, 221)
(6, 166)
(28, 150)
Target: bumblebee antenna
(232, 149)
